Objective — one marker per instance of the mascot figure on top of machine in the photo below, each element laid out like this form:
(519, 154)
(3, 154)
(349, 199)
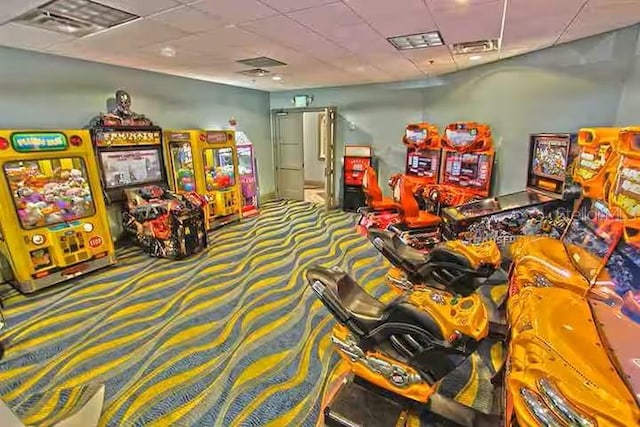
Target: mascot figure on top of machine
(553, 343)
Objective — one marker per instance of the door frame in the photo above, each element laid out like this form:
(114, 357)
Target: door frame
(330, 169)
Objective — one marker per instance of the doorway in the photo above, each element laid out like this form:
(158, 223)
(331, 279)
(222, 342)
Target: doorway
(304, 144)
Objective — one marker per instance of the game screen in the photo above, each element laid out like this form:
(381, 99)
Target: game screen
(461, 137)
(131, 167)
(592, 160)
(49, 192)
(470, 170)
(550, 158)
(245, 163)
(626, 193)
(416, 135)
(182, 161)
(218, 168)
(423, 163)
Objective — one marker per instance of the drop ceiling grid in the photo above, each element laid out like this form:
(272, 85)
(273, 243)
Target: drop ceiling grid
(324, 41)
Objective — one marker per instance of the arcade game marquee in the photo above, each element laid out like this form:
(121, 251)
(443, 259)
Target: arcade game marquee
(53, 221)
(128, 147)
(206, 162)
(543, 208)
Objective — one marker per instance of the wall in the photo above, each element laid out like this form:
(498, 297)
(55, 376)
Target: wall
(629, 107)
(44, 91)
(558, 89)
(313, 166)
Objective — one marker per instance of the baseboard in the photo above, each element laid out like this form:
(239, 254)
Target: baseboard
(267, 197)
(319, 184)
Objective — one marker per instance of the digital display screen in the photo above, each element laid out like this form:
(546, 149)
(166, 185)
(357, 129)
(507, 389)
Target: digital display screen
(416, 135)
(635, 142)
(423, 163)
(550, 158)
(461, 137)
(131, 167)
(627, 190)
(470, 170)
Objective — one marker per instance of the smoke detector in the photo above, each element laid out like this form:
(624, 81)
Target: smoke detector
(476, 47)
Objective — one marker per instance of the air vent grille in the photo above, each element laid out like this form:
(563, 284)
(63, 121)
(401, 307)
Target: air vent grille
(261, 62)
(75, 17)
(255, 72)
(480, 46)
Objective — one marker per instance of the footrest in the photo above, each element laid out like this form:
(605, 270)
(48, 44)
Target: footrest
(354, 405)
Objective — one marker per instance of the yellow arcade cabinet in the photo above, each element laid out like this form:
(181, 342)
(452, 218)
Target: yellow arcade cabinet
(206, 161)
(53, 220)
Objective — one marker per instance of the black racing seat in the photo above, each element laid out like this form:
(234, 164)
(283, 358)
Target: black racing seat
(364, 314)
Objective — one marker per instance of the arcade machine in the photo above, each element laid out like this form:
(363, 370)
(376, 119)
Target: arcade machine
(54, 224)
(543, 208)
(194, 165)
(624, 194)
(356, 161)
(424, 151)
(248, 171)
(129, 151)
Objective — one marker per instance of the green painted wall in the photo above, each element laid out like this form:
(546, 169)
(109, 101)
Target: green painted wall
(44, 91)
(559, 89)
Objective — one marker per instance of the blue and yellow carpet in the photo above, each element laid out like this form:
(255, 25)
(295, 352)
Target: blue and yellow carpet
(231, 337)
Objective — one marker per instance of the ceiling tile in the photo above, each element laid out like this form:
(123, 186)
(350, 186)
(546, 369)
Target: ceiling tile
(291, 34)
(24, 37)
(394, 18)
(360, 38)
(464, 61)
(141, 7)
(471, 23)
(451, 5)
(326, 18)
(13, 8)
(235, 11)
(291, 5)
(600, 16)
(552, 17)
(188, 19)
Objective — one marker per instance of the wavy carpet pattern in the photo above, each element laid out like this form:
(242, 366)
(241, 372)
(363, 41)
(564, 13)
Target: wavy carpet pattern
(231, 337)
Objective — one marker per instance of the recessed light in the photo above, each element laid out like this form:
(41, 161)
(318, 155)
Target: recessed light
(230, 26)
(360, 69)
(475, 57)
(168, 51)
(276, 78)
(417, 41)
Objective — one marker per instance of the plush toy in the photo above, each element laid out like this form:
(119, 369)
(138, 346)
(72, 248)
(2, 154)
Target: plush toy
(31, 215)
(28, 195)
(75, 178)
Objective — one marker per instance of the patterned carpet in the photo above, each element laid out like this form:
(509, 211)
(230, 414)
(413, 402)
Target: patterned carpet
(231, 337)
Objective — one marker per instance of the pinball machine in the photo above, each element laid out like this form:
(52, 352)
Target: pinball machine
(544, 207)
(131, 159)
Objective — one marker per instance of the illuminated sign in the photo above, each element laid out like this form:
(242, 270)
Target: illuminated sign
(25, 142)
(128, 137)
(180, 136)
(218, 137)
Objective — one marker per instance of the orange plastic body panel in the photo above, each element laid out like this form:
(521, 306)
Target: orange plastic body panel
(485, 253)
(553, 336)
(596, 161)
(432, 141)
(411, 214)
(420, 392)
(373, 192)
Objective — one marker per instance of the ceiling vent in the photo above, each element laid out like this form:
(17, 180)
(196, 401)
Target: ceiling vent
(255, 72)
(480, 46)
(261, 62)
(75, 17)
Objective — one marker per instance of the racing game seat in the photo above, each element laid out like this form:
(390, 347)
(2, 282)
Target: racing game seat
(411, 214)
(373, 192)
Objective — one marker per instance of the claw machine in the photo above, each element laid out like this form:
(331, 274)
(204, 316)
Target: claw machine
(206, 162)
(53, 221)
(248, 171)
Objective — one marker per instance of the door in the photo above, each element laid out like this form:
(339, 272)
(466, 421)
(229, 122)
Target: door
(328, 123)
(289, 142)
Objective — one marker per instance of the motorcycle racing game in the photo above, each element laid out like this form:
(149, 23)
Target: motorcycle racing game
(544, 207)
(571, 356)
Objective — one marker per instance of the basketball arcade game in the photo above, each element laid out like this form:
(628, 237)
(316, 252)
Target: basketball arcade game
(205, 162)
(54, 223)
(544, 207)
(129, 151)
